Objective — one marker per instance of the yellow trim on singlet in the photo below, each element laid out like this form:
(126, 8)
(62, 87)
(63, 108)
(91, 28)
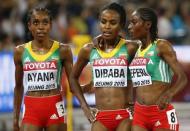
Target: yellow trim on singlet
(113, 52)
(42, 57)
(142, 53)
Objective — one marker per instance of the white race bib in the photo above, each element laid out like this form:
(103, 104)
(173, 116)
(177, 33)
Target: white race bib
(139, 74)
(110, 72)
(40, 75)
(171, 115)
(60, 108)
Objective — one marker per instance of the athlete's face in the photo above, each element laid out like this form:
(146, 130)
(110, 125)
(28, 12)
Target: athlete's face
(39, 25)
(137, 28)
(110, 24)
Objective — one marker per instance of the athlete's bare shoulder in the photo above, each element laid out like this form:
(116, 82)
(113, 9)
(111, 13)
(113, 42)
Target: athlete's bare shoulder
(165, 47)
(163, 44)
(65, 46)
(19, 48)
(85, 51)
(87, 48)
(18, 51)
(65, 51)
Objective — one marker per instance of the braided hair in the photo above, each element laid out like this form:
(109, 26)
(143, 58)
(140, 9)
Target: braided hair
(119, 9)
(148, 14)
(39, 9)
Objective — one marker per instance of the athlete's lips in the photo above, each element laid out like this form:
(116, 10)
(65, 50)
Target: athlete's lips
(107, 33)
(41, 34)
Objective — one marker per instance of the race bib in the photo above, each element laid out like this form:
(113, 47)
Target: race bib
(60, 108)
(172, 118)
(139, 74)
(110, 72)
(40, 75)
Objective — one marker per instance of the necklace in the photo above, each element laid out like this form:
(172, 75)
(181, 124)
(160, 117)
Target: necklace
(41, 50)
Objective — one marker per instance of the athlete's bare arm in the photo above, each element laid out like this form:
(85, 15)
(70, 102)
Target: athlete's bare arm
(67, 58)
(132, 47)
(83, 59)
(96, 42)
(18, 90)
(168, 54)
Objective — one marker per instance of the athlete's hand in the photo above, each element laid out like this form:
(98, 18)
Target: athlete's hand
(164, 100)
(94, 111)
(90, 113)
(131, 107)
(98, 41)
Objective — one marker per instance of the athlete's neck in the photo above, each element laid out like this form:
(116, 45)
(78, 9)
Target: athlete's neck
(145, 42)
(111, 44)
(45, 44)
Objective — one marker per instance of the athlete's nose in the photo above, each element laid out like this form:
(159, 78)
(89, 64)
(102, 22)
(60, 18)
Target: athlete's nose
(107, 25)
(41, 26)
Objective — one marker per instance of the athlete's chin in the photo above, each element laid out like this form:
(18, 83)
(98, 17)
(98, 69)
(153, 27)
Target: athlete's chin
(41, 38)
(108, 37)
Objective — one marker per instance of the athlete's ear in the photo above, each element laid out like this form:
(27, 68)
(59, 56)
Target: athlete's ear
(148, 24)
(29, 25)
(121, 26)
(50, 24)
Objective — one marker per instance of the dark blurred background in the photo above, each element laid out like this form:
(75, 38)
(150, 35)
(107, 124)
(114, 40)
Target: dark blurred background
(76, 17)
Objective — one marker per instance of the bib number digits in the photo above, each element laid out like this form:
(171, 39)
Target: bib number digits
(172, 118)
(60, 108)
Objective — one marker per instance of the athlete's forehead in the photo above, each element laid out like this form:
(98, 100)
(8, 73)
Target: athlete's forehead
(39, 15)
(111, 14)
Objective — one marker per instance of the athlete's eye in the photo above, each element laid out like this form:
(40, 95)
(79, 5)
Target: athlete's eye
(114, 22)
(45, 22)
(35, 22)
(103, 21)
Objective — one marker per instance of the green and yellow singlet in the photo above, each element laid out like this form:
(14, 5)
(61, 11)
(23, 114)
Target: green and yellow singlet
(148, 66)
(110, 69)
(41, 72)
